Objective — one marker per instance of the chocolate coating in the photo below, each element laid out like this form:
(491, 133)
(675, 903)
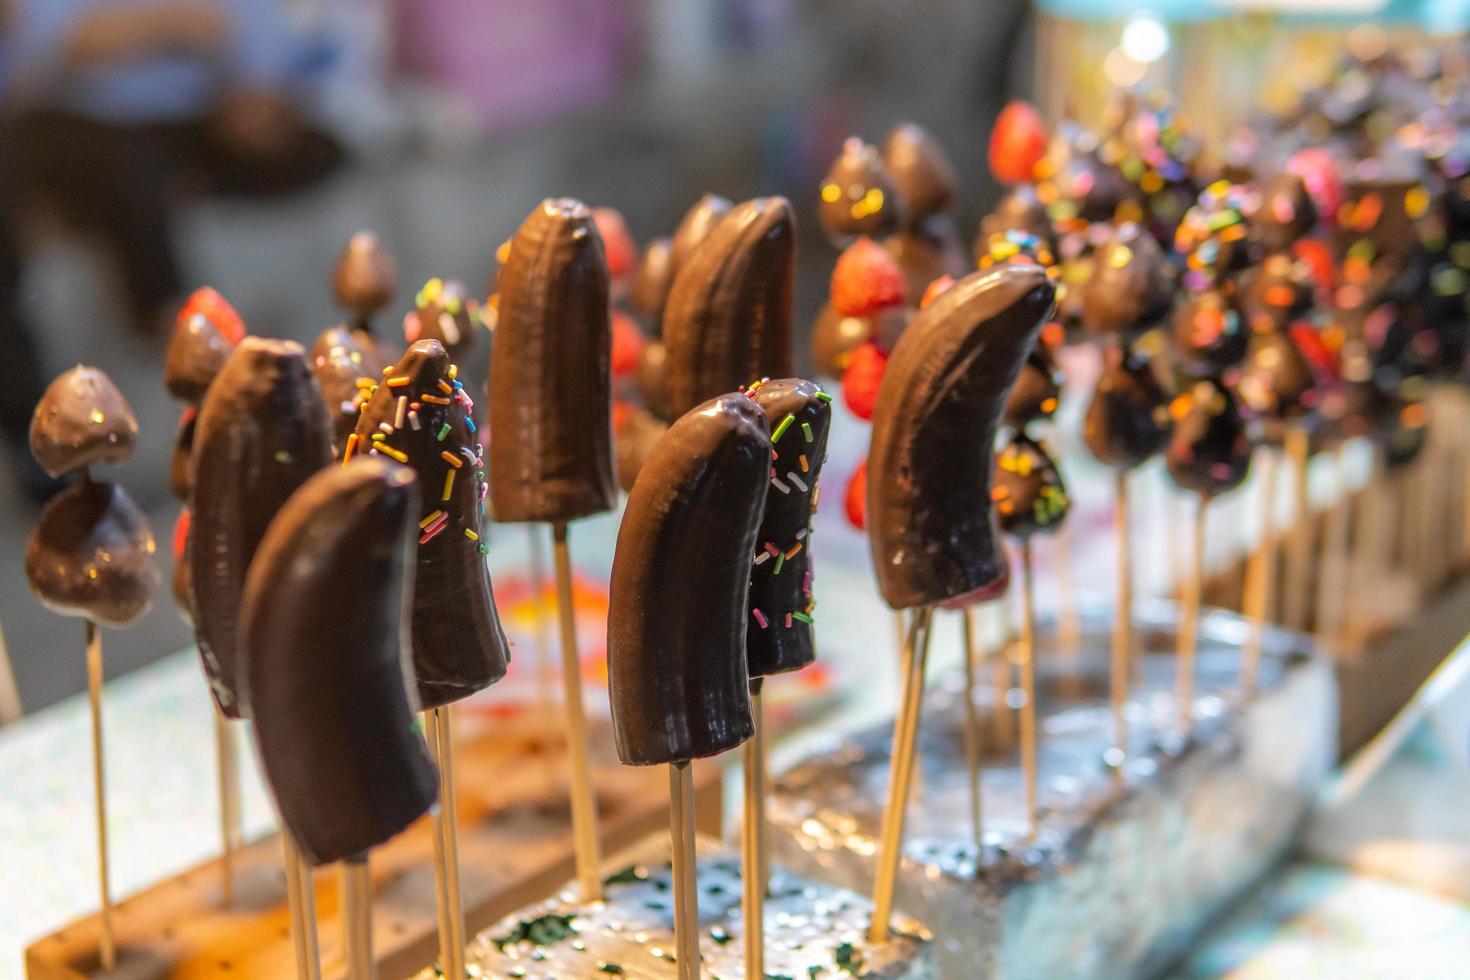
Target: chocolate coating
(444, 311)
(365, 278)
(1275, 292)
(930, 525)
(322, 627)
(780, 638)
(550, 373)
(652, 279)
(1028, 492)
(1128, 418)
(694, 227)
(653, 378)
(262, 432)
(919, 170)
(634, 440)
(728, 320)
(91, 555)
(1284, 213)
(458, 645)
(927, 250)
(834, 337)
(1018, 210)
(1130, 288)
(196, 353)
(1210, 452)
(81, 420)
(857, 196)
(1208, 334)
(181, 460)
(1037, 390)
(677, 612)
(343, 375)
(1276, 382)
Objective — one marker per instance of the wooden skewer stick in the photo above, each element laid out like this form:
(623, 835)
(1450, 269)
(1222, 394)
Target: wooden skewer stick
(1298, 574)
(357, 902)
(448, 897)
(301, 900)
(752, 838)
(686, 872)
(1260, 571)
(1333, 572)
(228, 767)
(108, 944)
(972, 734)
(11, 710)
(1027, 659)
(1069, 622)
(1123, 615)
(545, 673)
(1191, 592)
(584, 810)
(900, 780)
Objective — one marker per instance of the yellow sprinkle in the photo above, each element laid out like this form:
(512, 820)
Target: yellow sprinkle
(97, 417)
(399, 382)
(831, 193)
(471, 535)
(451, 459)
(387, 370)
(390, 451)
(448, 484)
(430, 519)
(365, 382)
(453, 371)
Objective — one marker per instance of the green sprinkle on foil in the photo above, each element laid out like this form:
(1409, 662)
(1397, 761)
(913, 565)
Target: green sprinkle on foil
(542, 931)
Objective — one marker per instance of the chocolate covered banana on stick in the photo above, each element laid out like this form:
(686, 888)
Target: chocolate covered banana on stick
(92, 553)
(328, 676)
(551, 431)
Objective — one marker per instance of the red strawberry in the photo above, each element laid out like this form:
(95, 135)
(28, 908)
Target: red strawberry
(617, 242)
(627, 345)
(866, 279)
(857, 496)
(208, 303)
(1017, 143)
(181, 534)
(860, 380)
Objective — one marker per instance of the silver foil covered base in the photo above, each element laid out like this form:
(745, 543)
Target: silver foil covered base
(813, 932)
(1132, 856)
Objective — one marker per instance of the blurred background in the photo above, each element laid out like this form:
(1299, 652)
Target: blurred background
(151, 146)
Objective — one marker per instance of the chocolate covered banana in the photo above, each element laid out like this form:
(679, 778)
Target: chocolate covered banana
(728, 320)
(680, 580)
(778, 636)
(421, 416)
(262, 431)
(550, 373)
(327, 676)
(694, 227)
(930, 522)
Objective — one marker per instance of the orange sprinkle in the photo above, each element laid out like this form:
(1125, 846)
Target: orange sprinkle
(451, 459)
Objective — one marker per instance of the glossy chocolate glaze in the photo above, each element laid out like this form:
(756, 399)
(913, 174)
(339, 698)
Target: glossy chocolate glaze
(1083, 188)
(930, 522)
(653, 379)
(344, 377)
(322, 628)
(181, 460)
(365, 277)
(1284, 213)
(1210, 452)
(81, 420)
(1130, 288)
(1276, 382)
(728, 320)
(444, 311)
(833, 338)
(857, 196)
(262, 432)
(779, 636)
(1018, 210)
(458, 645)
(1037, 391)
(677, 616)
(196, 353)
(1128, 419)
(551, 453)
(919, 170)
(633, 440)
(651, 281)
(1028, 491)
(693, 228)
(1208, 333)
(1275, 292)
(92, 554)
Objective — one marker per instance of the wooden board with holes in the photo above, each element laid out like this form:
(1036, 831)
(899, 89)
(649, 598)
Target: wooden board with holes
(515, 848)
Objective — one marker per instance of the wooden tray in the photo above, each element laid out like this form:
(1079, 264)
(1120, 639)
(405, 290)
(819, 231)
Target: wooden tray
(515, 848)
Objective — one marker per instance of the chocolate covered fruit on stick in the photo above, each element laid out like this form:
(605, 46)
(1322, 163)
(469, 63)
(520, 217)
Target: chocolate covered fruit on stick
(91, 554)
(328, 675)
(551, 431)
